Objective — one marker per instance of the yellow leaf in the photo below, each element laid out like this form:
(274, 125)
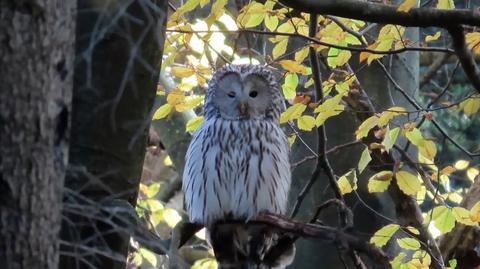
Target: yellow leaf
(364, 160)
(291, 139)
(280, 48)
(207, 263)
(408, 183)
(473, 41)
(415, 136)
(413, 230)
(380, 181)
(365, 127)
(194, 123)
(204, 2)
(389, 114)
(293, 66)
(443, 218)
(475, 212)
(471, 105)
(348, 182)
(408, 243)
(293, 112)
(428, 149)
(251, 15)
(382, 236)
(433, 37)
(390, 138)
(306, 123)
(217, 11)
(329, 104)
(175, 97)
(329, 108)
(188, 103)
(447, 170)
(323, 116)
(461, 164)
(472, 173)
(301, 54)
(182, 72)
(168, 161)
(445, 4)
(162, 111)
(462, 215)
(171, 217)
(407, 5)
(271, 22)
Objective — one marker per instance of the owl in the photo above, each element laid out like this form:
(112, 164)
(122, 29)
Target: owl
(237, 164)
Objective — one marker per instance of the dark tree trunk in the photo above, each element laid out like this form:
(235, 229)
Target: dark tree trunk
(118, 52)
(36, 63)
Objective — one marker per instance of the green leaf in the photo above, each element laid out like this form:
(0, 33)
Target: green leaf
(162, 111)
(390, 138)
(452, 263)
(306, 123)
(290, 85)
(364, 160)
(382, 236)
(408, 183)
(408, 243)
(443, 218)
(348, 182)
(194, 123)
(293, 112)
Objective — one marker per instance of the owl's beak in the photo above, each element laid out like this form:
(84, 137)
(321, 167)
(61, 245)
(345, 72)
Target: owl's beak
(243, 108)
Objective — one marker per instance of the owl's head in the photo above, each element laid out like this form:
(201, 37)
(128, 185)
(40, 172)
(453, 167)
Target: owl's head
(243, 92)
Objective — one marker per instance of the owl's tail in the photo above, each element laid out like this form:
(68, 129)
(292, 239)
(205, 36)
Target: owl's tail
(241, 246)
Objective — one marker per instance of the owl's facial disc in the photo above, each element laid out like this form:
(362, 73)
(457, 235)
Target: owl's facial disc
(238, 97)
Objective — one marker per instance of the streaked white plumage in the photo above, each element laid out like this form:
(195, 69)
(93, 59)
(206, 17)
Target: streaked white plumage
(237, 164)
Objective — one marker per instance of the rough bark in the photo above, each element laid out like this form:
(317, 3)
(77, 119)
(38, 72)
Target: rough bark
(36, 63)
(118, 54)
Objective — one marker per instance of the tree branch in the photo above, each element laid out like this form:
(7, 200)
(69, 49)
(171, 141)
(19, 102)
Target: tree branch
(387, 14)
(465, 55)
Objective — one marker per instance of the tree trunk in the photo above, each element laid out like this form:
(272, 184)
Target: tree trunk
(118, 52)
(36, 63)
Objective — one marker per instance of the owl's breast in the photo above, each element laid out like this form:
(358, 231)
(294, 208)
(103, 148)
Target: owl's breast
(236, 169)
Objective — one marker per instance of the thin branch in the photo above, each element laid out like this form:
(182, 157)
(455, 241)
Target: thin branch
(319, 42)
(417, 106)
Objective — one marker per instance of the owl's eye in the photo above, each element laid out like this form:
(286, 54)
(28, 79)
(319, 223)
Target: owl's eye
(231, 94)
(253, 94)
